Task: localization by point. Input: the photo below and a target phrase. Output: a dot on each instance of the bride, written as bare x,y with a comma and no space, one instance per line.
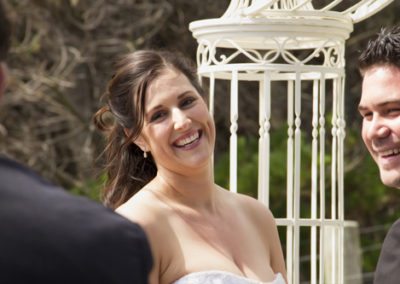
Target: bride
160,175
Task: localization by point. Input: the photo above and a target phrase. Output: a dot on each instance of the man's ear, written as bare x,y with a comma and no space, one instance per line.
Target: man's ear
139,141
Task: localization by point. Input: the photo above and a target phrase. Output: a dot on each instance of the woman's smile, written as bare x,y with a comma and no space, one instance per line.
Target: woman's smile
188,141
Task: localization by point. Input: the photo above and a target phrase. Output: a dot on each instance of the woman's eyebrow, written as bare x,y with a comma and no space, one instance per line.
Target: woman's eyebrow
180,96
184,94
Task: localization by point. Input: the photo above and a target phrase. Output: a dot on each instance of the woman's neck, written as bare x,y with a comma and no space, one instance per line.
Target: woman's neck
196,191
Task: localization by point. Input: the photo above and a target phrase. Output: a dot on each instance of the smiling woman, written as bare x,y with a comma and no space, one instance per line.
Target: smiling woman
128,167
160,174
178,129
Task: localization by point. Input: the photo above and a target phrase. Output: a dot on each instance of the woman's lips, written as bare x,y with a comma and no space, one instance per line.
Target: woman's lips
188,139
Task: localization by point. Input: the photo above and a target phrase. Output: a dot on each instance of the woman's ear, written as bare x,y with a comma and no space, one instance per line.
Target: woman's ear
139,141
142,144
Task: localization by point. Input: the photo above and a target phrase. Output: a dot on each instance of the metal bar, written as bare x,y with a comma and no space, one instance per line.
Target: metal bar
342,133
334,239
289,180
233,129
322,176
297,174
261,154
266,138
314,181
211,93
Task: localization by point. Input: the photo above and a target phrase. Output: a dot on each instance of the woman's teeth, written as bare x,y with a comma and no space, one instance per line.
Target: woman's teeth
188,140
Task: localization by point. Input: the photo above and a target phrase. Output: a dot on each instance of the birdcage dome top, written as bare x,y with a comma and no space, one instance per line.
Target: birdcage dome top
253,23
357,10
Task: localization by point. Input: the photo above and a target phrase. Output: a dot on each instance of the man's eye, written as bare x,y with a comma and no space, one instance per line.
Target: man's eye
394,111
366,115
187,102
157,116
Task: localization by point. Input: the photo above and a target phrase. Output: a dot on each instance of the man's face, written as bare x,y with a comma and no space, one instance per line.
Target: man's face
380,109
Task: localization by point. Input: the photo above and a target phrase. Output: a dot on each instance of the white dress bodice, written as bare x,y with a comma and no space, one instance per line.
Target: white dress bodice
222,277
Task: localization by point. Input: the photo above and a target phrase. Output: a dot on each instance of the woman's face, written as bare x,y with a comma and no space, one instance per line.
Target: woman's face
178,129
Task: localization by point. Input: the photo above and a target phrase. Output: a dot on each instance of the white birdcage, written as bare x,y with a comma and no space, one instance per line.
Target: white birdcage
300,45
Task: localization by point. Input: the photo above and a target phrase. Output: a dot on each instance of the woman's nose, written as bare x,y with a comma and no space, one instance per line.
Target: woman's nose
180,119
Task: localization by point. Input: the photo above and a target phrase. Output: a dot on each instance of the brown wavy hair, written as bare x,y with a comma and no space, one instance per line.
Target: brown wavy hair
127,170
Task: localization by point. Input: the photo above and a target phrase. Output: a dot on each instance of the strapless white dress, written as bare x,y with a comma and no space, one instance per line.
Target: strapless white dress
222,277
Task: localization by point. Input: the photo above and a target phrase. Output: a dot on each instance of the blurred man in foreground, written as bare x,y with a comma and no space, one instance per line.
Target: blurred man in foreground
49,236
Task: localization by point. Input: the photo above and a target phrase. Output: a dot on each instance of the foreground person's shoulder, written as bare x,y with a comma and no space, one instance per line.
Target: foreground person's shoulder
387,270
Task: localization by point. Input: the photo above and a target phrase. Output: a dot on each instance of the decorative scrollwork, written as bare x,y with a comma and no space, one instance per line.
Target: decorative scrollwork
330,53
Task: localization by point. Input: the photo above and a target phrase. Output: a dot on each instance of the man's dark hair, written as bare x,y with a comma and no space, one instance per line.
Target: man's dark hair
384,50
5,32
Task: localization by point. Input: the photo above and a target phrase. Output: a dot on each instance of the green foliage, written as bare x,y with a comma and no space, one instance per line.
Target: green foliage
90,188
248,164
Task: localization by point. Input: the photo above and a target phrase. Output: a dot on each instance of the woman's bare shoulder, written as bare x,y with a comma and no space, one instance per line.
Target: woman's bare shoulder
145,209
253,208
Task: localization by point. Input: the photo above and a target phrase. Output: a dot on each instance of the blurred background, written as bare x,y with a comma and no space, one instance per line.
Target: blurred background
60,62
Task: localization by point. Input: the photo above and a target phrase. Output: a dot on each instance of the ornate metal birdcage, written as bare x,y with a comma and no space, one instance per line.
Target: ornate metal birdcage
295,49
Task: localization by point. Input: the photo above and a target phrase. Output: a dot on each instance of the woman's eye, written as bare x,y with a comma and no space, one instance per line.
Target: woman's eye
157,116
187,101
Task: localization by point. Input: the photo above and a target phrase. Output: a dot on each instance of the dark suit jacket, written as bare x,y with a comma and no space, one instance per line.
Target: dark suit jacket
388,268
50,236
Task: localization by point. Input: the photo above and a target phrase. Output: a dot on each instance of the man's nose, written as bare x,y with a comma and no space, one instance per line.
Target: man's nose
378,128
